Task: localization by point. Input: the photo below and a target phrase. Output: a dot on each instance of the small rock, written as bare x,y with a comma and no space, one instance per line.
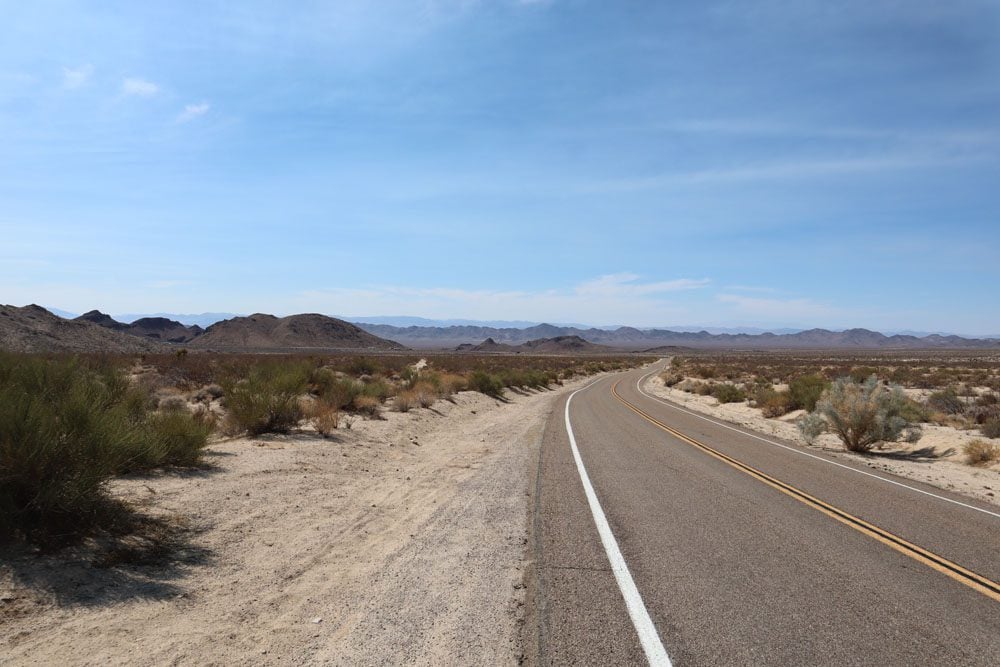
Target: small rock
317,620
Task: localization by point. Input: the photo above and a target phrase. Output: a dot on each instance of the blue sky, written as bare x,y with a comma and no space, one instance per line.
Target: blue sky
649,163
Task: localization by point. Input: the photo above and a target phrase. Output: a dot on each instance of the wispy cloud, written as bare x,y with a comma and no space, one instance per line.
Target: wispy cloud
610,299
192,111
77,77
625,284
135,87
779,309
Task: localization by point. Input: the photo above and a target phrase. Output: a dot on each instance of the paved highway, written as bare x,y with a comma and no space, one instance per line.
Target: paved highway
663,537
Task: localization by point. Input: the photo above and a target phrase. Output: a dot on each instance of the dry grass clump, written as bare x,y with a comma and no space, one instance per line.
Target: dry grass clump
324,417
370,406
404,401
980,453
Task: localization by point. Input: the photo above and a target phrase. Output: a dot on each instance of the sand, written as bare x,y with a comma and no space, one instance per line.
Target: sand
400,541
936,459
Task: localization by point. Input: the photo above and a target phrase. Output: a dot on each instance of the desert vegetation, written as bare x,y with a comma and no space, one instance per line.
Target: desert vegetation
69,425
866,399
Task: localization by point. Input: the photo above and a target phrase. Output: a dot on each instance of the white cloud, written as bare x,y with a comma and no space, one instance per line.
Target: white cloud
192,111
77,77
139,87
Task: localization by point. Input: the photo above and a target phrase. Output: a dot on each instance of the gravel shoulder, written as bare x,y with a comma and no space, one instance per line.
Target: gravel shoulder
935,459
398,541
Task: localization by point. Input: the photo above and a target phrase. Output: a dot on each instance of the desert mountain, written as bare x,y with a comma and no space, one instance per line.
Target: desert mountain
557,345
156,328
101,319
639,339
34,329
308,331
160,328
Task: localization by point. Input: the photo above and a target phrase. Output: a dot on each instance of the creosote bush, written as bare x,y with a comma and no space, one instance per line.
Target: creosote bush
862,414
66,428
727,393
267,399
486,383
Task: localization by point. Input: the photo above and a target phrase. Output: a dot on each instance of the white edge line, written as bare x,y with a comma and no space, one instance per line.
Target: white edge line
656,654
799,451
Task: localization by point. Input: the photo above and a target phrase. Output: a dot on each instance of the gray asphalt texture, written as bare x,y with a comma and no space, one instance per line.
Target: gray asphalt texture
734,572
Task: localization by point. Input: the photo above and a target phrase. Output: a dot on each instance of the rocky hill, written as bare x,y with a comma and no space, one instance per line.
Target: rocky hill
557,345
34,329
309,331
155,328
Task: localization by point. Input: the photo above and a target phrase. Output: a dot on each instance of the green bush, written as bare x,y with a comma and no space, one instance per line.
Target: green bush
772,403
727,393
66,428
267,399
991,428
805,390
486,383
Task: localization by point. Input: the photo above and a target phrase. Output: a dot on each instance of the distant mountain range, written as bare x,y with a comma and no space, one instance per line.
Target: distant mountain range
639,339
33,328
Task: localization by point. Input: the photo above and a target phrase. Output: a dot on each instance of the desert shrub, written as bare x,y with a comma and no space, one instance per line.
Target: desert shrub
425,394
980,452
175,438
671,379
405,401
378,389
860,374
727,393
451,383
66,428
772,403
486,383
364,366
991,428
811,426
339,391
703,388
267,399
805,390
172,403
209,392
865,414
705,372
946,401
324,417
367,405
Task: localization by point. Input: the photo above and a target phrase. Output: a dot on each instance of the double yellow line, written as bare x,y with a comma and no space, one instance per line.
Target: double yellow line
989,588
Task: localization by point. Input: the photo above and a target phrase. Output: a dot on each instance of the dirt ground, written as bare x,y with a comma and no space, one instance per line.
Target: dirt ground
394,542
935,459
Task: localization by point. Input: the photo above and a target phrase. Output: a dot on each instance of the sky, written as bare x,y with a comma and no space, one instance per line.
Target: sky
770,164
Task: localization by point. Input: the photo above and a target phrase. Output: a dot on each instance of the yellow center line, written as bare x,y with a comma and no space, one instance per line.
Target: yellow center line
989,588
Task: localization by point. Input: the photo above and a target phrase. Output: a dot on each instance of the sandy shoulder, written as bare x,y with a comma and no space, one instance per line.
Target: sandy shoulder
397,541
935,459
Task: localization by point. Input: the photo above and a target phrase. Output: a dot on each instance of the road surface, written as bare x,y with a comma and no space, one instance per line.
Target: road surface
731,550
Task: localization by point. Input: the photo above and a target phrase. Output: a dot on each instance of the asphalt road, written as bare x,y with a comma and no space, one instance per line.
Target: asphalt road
746,553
